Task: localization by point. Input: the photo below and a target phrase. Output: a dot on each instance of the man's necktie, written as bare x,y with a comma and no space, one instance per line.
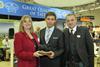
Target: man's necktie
71,31
71,42
48,36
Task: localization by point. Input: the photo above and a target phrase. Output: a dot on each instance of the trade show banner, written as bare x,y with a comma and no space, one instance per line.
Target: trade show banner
12,7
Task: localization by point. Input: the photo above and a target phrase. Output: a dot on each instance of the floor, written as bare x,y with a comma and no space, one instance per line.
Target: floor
97,62
8,63
5,64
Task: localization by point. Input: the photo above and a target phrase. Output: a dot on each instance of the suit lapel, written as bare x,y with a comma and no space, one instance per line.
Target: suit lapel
53,33
67,33
77,31
43,35
78,36
66,39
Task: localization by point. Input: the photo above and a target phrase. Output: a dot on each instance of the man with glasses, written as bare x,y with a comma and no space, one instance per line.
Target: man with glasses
79,50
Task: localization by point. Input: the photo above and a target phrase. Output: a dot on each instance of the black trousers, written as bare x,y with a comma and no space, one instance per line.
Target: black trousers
75,64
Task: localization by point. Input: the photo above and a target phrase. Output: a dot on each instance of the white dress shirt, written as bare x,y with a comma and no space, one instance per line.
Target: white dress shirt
50,33
74,29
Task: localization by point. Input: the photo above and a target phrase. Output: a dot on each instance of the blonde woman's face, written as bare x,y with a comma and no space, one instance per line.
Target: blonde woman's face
26,23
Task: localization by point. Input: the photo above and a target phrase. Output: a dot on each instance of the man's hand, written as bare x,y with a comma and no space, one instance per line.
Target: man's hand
51,54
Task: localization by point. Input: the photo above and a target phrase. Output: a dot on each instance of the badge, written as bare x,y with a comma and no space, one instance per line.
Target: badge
55,37
78,36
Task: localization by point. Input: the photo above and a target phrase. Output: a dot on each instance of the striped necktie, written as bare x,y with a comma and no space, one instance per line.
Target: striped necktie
48,36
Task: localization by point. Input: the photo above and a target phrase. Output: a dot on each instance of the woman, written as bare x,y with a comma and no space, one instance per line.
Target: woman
24,44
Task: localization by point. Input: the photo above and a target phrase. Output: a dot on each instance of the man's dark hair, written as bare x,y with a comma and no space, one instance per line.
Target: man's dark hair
50,14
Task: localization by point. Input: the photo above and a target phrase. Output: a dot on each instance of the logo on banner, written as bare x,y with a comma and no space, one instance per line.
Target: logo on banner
1,4
11,7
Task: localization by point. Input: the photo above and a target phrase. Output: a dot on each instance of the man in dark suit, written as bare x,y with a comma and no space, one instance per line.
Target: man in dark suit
79,50
51,39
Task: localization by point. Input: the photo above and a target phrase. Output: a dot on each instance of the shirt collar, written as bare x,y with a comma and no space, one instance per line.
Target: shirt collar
51,29
74,29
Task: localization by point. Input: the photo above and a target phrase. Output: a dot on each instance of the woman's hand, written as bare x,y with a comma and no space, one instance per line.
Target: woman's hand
37,54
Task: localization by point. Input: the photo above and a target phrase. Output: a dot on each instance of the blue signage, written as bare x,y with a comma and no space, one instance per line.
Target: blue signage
10,7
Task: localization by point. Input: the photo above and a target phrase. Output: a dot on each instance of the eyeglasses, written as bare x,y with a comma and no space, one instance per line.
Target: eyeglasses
70,20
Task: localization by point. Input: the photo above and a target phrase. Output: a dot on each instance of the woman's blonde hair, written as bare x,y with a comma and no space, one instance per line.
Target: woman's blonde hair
21,29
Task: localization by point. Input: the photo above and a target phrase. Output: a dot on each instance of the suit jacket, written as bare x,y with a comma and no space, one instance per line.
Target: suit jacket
84,46
24,49
55,44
